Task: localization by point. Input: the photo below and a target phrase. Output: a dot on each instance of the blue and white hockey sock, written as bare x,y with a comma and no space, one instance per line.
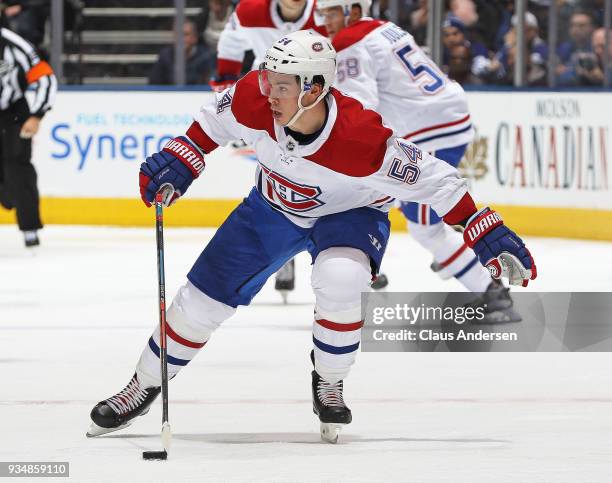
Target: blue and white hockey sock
191,320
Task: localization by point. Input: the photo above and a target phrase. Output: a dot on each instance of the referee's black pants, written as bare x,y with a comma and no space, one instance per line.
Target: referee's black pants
17,175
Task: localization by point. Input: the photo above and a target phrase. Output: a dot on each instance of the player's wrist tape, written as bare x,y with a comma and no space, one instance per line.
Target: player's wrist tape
187,154
479,224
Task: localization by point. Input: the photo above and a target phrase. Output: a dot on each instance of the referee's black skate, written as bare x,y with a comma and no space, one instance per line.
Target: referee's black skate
328,404
30,238
118,411
285,279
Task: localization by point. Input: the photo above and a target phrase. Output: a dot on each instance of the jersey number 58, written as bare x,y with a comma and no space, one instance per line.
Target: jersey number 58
347,68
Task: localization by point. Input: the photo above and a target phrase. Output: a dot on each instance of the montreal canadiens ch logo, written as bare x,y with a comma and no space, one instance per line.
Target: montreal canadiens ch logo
289,195
317,46
495,268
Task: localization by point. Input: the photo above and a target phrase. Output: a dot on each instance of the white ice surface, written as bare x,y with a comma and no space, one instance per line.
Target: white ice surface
75,316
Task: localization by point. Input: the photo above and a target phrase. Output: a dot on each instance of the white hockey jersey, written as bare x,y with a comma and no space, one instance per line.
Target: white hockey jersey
381,65
354,162
256,25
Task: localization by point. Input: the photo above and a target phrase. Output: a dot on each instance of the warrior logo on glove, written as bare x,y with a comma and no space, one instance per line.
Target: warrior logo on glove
170,171
482,224
187,154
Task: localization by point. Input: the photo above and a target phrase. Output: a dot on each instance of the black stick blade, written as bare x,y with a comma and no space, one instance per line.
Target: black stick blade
154,455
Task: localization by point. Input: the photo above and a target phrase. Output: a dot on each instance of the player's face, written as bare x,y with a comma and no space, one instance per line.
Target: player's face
282,91
599,44
333,19
452,36
581,27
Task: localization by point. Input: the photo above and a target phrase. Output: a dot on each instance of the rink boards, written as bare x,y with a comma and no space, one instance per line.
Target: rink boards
540,157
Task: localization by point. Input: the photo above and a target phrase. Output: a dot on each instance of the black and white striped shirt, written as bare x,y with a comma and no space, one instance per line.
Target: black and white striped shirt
21,67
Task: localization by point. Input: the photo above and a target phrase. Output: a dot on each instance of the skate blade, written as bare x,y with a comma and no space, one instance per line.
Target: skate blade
285,296
330,432
95,430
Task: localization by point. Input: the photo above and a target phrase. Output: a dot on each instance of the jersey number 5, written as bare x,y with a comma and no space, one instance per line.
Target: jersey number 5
434,78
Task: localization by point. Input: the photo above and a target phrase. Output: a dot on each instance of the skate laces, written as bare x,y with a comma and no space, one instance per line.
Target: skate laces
129,398
330,394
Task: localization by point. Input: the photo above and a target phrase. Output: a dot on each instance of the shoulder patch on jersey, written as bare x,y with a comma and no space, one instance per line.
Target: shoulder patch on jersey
254,13
250,107
358,141
224,102
354,33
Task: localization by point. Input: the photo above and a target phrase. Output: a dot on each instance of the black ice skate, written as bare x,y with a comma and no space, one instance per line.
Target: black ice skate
380,282
497,303
30,239
118,411
285,279
328,404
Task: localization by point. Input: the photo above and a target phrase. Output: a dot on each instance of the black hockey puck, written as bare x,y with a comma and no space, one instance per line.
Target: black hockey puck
154,455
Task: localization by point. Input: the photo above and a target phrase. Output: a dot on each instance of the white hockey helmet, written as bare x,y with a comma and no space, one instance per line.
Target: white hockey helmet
304,54
346,5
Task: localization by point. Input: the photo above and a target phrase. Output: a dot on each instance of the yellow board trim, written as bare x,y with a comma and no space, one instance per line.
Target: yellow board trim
526,220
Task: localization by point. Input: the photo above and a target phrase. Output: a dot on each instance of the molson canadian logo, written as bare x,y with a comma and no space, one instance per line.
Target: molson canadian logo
557,147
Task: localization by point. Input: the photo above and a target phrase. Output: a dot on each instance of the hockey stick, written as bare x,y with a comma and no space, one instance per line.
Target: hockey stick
166,434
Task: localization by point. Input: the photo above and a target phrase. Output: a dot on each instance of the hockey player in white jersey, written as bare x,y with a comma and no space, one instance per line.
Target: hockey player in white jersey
327,169
382,66
255,25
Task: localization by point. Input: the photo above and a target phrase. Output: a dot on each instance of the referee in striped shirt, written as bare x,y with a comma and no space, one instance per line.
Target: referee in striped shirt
21,69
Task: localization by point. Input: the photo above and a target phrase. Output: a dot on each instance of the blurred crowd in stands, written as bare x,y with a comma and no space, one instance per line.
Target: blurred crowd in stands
479,38
201,35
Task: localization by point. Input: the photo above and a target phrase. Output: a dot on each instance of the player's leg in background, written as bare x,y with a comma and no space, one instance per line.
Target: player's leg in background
347,251
252,244
285,279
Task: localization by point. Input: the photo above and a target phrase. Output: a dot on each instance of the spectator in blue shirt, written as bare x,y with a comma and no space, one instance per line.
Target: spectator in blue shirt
587,68
581,29
577,61
198,60
453,36
501,68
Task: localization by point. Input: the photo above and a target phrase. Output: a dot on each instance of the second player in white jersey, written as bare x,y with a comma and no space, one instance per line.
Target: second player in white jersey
381,65
255,25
